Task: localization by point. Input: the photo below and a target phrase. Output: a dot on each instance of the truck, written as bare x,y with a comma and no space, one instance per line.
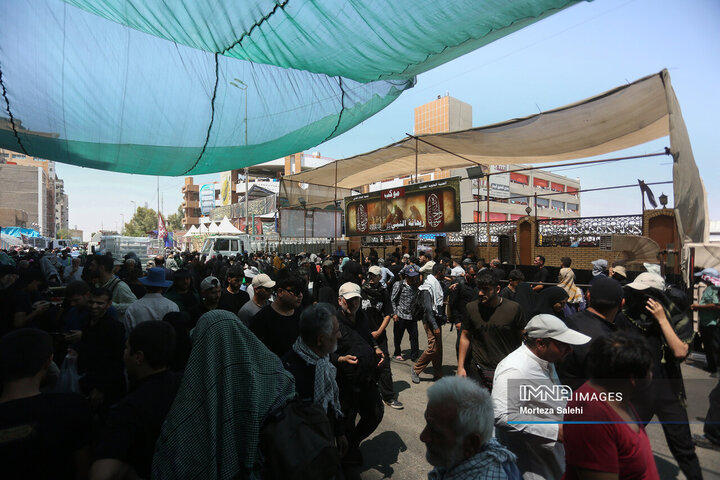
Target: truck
226,245
119,245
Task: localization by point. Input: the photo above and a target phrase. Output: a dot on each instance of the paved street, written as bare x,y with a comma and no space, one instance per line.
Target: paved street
395,450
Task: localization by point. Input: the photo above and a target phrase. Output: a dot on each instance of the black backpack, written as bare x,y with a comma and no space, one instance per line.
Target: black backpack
297,443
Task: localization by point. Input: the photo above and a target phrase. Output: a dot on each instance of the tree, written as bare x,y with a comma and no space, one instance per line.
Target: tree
64,233
143,222
174,221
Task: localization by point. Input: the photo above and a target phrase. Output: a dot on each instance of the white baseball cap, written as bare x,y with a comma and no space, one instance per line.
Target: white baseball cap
375,270
647,280
262,280
549,326
350,290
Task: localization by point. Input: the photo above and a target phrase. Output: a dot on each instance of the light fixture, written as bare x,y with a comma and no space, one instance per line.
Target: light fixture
528,210
663,200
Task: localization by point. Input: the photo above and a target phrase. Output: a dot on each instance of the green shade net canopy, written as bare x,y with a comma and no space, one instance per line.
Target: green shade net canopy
201,86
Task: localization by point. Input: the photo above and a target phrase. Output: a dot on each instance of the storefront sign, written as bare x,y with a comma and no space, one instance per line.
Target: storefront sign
423,207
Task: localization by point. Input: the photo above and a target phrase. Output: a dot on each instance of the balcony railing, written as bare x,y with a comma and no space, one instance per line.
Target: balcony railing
585,231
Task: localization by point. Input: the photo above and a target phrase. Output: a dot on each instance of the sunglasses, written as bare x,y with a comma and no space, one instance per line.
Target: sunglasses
292,292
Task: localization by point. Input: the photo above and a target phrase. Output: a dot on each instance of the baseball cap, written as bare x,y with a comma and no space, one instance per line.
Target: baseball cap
406,255
411,271
620,270
607,289
117,263
375,270
250,272
208,283
262,280
349,290
549,326
428,267
647,280
328,263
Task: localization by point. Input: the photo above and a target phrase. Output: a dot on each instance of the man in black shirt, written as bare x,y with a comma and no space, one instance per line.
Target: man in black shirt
541,275
378,310
491,330
232,298
100,354
128,441
44,435
605,299
276,325
358,357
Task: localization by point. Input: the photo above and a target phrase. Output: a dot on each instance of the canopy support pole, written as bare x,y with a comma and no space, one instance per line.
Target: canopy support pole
335,206
416,160
487,217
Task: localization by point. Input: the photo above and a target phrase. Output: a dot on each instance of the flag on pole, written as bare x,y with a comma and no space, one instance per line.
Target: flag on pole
162,231
646,190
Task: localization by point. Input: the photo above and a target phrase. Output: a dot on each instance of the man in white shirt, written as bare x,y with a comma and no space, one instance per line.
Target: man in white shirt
526,388
152,306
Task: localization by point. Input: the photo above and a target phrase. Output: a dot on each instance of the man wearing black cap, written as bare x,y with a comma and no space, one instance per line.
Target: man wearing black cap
605,299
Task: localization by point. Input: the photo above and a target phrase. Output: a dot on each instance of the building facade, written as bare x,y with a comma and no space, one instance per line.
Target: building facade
547,194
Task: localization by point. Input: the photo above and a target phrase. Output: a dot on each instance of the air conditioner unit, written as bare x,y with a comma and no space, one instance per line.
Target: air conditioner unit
606,242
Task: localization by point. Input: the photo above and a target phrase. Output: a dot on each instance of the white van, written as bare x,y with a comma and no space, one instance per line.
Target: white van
226,245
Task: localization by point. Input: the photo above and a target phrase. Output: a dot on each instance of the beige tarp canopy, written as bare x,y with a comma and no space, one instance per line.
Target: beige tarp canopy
626,116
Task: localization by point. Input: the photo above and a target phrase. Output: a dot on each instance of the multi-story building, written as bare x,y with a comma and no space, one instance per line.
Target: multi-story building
28,184
61,206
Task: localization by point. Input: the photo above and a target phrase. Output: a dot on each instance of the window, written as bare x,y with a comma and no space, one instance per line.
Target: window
519,178
572,207
572,190
539,182
543,203
496,217
514,217
519,200
222,244
557,187
233,245
17,155
558,205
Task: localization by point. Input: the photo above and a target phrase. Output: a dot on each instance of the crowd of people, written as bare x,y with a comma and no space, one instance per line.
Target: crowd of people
198,368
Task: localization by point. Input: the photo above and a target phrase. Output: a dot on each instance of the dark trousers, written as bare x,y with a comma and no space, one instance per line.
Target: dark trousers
399,328
663,402
710,337
433,353
365,401
385,382
712,419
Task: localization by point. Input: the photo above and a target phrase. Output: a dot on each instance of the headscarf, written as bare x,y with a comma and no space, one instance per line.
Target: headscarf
231,383
278,263
325,391
600,266
344,261
548,297
567,282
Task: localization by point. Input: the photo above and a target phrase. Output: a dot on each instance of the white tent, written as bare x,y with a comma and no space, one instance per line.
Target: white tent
192,231
214,228
227,227
203,230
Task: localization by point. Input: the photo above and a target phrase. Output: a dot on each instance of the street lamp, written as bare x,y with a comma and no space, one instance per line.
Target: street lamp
663,200
237,83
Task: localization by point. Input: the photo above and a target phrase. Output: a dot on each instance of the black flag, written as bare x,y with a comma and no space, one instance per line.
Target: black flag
646,190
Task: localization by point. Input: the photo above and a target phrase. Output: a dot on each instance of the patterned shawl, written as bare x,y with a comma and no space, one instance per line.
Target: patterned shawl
325,391
567,282
231,382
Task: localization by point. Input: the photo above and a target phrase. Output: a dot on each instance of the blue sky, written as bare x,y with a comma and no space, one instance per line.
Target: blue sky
577,53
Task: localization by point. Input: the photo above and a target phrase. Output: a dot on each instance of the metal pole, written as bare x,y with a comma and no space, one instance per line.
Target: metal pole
158,200
487,217
416,160
247,224
335,206
477,213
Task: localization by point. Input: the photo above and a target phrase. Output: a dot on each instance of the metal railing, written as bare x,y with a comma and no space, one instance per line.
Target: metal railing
585,231
479,230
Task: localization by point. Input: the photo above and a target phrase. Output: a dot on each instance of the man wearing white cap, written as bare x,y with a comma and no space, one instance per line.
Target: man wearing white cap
358,357
262,286
538,446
